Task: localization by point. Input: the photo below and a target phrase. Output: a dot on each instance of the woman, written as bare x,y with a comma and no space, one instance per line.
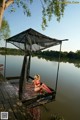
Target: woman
40,87
37,83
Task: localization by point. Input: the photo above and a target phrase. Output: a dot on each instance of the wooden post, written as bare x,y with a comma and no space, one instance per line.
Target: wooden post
22,80
5,60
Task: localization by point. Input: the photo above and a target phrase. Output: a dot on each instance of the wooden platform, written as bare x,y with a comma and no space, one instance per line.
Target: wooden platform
28,93
27,108
32,99
10,103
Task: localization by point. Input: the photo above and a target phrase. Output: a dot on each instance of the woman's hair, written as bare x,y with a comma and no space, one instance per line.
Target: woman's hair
37,76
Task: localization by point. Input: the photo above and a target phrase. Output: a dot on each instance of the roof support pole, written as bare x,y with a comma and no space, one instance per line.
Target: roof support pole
5,60
58,67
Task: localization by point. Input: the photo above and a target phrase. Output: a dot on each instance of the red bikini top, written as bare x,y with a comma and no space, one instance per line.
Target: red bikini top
36,82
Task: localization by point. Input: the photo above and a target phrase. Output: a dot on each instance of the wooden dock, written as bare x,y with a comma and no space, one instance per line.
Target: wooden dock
25,109
10,103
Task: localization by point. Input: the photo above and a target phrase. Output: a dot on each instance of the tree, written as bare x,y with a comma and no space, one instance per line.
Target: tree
4,26
49,7
5,30
4,33
3,5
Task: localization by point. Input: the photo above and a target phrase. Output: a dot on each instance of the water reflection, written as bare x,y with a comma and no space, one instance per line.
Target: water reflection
35,113
75,61
77,64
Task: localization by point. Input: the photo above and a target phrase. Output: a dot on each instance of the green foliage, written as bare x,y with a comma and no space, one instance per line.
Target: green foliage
11,51
49,7
71,57
78,52
55,54
5,30
24,4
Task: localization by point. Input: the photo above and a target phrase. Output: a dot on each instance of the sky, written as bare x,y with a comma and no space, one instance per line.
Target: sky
67,28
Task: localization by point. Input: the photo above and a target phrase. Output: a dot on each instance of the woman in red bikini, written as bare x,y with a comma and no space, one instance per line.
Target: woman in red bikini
36,81
40,87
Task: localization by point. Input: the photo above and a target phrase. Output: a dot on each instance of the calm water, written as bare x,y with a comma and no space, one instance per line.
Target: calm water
67,102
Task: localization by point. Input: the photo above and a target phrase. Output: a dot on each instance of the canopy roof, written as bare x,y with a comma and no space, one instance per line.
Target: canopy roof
31,40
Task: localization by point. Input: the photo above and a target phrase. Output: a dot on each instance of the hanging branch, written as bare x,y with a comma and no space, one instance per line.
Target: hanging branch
8,3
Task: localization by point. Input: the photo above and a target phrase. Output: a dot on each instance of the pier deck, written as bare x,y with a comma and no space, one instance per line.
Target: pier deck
10,103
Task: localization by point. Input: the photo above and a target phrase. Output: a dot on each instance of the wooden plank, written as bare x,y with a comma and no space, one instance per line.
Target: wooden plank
4,106
21,109
13,77
8,109
1,106
15,109
10,103
4,93
10,90
14,81
1,77
17,77
1,95
13,105
8,93
16,106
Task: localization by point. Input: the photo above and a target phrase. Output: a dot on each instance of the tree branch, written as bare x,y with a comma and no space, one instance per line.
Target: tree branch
8,3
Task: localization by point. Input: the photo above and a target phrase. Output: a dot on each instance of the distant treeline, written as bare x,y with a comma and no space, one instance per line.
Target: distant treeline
11,51
63,55
71,57
44,54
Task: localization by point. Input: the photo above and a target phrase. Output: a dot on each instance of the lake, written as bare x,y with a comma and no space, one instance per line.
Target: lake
67,103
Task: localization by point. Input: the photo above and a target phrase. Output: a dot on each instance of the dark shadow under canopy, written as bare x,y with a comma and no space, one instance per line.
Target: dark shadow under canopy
32,41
